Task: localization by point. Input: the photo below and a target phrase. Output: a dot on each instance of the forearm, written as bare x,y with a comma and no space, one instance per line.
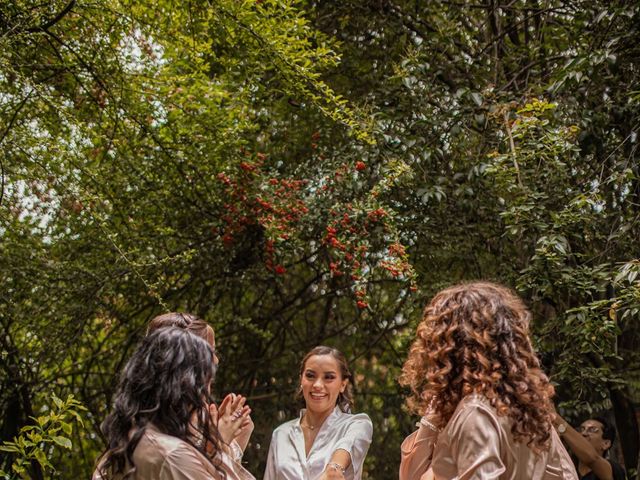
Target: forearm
341,457
349,452
584,451
243,439
245,434
416,451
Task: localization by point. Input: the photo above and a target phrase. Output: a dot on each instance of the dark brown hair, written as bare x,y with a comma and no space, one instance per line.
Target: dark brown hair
166,383
474,338
345,399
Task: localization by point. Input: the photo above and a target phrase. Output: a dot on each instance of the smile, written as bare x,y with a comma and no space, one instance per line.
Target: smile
318,396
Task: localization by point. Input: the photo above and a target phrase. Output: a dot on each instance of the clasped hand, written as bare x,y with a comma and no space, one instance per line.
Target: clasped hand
232,419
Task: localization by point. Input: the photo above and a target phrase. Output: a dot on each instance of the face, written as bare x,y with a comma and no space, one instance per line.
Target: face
211,339
592,431
321,383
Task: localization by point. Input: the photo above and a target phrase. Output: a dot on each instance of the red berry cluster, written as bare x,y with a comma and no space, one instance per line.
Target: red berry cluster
354,230
350,235
255,199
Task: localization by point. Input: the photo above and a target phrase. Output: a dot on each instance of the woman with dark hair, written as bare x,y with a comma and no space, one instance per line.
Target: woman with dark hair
233,433
327,441
486,404
163,423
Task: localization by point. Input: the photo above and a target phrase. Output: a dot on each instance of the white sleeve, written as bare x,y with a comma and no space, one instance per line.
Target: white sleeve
270,472
356,441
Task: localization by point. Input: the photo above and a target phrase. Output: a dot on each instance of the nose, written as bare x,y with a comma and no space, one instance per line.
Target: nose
317,384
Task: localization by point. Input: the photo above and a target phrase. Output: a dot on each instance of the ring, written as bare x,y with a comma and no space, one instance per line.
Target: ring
237,414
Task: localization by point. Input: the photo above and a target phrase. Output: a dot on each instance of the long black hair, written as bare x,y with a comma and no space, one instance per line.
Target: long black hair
167,383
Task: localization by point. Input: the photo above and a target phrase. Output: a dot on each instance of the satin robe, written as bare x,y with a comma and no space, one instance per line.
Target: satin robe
477,444
164,457
346,431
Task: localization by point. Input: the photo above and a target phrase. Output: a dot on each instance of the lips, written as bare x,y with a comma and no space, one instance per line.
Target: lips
318,396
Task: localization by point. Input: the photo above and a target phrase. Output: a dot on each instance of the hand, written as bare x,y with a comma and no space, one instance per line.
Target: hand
245,433
331,474
431,416
231,417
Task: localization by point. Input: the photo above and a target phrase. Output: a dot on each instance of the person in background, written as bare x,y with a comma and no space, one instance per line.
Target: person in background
327,441
163,424
590,446
232,405
486,404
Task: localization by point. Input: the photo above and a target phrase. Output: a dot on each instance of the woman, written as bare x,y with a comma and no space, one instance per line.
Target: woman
327,441
486,403
163,423
233,433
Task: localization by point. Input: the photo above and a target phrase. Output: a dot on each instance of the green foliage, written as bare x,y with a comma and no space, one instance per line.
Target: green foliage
35,442
304,172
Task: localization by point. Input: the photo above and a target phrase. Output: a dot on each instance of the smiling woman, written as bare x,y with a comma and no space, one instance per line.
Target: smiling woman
327,441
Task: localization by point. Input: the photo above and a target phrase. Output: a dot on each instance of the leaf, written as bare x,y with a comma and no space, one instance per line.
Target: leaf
41,457
10,448
66,427
62,441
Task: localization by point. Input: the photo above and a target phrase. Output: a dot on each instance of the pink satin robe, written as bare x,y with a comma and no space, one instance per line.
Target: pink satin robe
477,444
163,457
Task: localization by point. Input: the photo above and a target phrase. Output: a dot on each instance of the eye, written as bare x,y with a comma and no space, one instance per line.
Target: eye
330,376
309,375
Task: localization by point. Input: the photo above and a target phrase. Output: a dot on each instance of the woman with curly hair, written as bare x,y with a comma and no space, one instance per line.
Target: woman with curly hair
163,425
327,441
486,404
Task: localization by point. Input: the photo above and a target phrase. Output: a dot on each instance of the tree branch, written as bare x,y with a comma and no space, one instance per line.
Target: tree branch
50,23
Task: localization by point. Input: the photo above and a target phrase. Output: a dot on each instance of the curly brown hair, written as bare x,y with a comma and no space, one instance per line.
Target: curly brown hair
474,338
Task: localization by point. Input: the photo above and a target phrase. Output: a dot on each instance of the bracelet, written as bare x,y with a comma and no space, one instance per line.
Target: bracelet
336,466
428,424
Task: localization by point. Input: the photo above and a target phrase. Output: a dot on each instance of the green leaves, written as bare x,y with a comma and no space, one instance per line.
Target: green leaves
34,441
374,155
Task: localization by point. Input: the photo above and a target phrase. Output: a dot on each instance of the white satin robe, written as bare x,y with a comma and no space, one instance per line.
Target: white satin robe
346,431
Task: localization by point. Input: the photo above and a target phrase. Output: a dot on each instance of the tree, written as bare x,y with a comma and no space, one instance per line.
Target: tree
301,173
135,181
519,122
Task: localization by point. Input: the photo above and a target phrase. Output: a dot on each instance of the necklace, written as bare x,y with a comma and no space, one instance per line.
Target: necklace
307,425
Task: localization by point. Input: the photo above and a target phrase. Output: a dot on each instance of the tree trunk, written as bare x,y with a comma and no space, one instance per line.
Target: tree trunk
627,425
